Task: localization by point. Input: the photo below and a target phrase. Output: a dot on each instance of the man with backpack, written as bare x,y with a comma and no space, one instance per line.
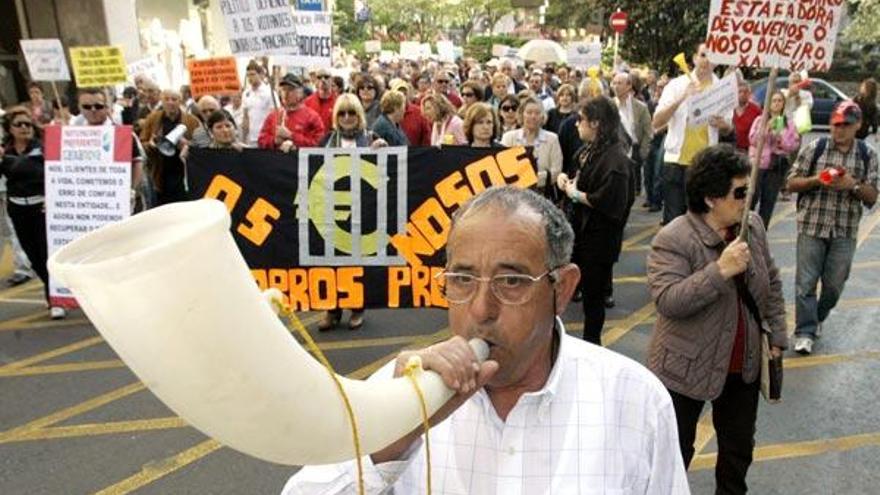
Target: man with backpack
834,178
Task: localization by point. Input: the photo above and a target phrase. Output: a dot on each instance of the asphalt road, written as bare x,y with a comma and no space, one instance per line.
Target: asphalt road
74,419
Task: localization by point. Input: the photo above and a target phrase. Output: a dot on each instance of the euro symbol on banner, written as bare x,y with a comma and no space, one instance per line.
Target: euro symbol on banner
342,204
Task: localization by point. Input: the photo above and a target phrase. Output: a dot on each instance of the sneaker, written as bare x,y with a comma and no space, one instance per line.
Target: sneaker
17,279
57,313
803,345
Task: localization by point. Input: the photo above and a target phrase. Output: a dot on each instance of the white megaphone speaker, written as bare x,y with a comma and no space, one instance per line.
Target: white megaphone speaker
168,144
170,292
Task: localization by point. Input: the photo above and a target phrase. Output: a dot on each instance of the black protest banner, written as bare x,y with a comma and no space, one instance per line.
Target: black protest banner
351,228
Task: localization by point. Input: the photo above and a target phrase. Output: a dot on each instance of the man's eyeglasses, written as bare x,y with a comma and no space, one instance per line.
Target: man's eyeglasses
510,289
508,108
21,124
96,106
442,81
346,113
740,192
323,76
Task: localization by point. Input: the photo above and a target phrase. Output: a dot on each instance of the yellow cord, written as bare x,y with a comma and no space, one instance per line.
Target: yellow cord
298,326
412,370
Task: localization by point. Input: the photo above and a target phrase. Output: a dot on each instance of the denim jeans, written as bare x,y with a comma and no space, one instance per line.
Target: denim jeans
828,260
653,164
674,198
770,181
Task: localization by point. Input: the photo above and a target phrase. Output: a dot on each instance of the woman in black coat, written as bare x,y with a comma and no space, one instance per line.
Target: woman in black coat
601,195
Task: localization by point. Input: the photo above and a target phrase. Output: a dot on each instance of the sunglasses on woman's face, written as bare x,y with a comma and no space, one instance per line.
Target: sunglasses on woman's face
507,108
347,113
368,87
740,192
26,125
468,95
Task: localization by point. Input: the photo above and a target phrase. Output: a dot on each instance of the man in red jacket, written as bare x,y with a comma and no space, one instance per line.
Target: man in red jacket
323,99
302,126
414,125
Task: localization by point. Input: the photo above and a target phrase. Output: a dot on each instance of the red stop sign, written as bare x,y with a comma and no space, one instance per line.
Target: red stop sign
618,22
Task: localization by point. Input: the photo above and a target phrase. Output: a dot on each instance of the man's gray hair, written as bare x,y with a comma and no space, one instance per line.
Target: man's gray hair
557,231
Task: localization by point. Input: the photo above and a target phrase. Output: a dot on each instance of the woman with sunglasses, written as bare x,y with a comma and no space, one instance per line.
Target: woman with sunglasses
713,293
508,110
471,92
23,166
545,144
349,131
368,94
447,128
781,139
600,195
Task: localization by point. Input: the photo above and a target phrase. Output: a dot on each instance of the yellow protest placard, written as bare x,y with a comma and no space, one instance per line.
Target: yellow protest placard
95,66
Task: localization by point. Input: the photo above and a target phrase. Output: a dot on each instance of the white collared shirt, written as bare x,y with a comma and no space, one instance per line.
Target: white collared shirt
601,424
258,104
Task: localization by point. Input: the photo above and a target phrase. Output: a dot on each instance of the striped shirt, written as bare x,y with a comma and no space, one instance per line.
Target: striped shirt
601,424
824,212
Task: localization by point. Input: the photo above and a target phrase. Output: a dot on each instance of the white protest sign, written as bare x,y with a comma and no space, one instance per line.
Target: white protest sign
45,60
446,51
258,28
373,46
584,54
410,50
88,179
151,68
720,99
426,50
499,50
386,56
314,45
789,34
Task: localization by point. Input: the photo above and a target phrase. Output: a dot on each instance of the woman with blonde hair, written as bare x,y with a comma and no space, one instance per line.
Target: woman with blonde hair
349,131
566,101
481,126
447,127
387,126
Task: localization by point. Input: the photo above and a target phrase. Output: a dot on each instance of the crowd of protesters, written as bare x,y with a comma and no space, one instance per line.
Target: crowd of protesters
598,142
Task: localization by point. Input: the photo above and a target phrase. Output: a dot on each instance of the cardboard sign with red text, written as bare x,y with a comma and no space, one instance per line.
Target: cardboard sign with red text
788,34
88,179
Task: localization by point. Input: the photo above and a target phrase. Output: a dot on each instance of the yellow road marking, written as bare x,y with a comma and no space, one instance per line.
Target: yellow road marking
41,302
19,322
796,449
782,215
62,368
865,230
75,410
21,289
611,336
45,356
155,470
639,236
705,433
93,429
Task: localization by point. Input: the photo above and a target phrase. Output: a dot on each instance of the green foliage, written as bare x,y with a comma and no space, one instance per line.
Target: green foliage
480,47
659,29
865,15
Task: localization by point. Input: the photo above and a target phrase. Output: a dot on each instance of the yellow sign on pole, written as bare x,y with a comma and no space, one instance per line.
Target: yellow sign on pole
95,66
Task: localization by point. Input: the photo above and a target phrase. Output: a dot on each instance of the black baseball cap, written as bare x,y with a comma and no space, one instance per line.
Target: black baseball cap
291,79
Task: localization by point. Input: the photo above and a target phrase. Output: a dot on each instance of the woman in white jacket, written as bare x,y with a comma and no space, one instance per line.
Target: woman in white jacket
547,151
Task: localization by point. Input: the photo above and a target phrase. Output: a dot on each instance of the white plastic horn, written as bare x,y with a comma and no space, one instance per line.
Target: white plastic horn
170,292
168,144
